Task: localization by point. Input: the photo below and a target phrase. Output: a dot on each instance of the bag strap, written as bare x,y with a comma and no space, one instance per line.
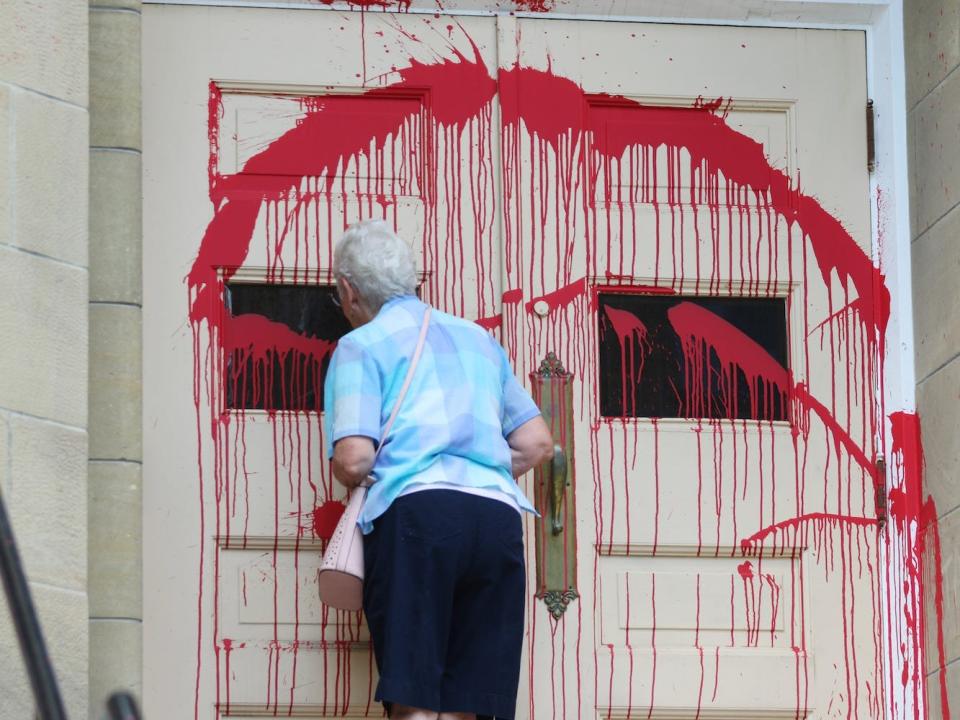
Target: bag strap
421,341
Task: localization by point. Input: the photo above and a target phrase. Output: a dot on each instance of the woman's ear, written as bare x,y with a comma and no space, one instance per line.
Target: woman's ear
352,304
349,294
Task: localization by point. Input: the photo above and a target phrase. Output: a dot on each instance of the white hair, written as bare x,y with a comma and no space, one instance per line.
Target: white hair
377,263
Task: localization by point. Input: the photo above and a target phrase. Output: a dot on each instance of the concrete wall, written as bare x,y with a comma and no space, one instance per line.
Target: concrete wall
932,36
115,342
44,140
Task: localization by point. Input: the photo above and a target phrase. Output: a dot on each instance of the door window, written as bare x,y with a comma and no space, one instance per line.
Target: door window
277,341
693,357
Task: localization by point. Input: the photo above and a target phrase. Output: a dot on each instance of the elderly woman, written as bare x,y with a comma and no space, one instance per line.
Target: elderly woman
443,545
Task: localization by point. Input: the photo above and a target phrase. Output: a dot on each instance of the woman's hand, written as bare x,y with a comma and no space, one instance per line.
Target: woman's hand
530,444
353,458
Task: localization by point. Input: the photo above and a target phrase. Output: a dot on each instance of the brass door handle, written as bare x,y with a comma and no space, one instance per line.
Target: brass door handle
558,488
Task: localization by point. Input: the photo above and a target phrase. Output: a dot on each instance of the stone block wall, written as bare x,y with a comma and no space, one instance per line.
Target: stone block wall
932,39
44,137
114,491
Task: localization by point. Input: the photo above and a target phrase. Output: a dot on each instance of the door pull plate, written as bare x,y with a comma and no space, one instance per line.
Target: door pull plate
555,491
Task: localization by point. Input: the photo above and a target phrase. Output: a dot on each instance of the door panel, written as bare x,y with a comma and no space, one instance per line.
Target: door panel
725,567
234,533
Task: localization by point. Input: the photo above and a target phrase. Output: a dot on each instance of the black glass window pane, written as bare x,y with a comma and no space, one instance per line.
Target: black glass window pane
278,341
670,356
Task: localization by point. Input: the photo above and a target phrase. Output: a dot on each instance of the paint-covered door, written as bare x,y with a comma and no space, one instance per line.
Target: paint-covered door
679,214
686,213
266,133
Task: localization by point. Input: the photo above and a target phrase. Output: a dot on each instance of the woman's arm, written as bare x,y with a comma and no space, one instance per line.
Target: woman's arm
353,458
530,444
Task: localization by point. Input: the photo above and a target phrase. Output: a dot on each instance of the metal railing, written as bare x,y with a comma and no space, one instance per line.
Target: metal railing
43,681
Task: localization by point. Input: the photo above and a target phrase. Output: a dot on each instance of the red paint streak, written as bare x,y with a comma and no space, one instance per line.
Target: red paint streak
626,325
260,337
620,123
653,643
490,323
562,297
228,647
459,88
632,334
632,289
917,517
841,438
701,331
745,569
759,536
511,297
214,115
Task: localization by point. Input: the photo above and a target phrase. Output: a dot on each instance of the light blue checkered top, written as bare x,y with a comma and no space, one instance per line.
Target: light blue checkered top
462,403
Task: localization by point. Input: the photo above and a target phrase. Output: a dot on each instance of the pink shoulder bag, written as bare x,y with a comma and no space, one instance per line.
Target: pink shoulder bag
341,571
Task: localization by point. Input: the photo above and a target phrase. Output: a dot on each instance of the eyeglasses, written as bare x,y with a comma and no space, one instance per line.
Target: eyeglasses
335,298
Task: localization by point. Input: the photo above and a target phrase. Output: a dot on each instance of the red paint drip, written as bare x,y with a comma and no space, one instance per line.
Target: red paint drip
620,123
632,334
818,517
700,332
917,517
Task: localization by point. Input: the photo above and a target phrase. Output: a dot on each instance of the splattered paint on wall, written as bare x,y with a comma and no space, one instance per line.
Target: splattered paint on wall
584,189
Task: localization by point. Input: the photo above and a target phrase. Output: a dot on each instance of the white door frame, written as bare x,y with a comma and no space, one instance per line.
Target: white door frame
882,23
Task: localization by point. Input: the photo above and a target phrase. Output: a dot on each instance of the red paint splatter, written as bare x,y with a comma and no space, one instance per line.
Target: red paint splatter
702,332
916,517
402,5
538,6
560,298
793,523
592,141
326,517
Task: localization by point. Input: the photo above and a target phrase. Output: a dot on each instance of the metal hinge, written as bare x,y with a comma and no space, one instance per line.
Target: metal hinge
871,139
880,492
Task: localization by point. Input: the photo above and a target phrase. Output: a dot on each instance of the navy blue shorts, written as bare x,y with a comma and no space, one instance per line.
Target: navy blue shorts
444,598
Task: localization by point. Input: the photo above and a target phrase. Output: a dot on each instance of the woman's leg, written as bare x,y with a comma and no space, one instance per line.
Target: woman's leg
402,712
482,669
409,597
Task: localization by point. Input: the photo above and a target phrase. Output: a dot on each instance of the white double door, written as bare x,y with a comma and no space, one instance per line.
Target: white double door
724,567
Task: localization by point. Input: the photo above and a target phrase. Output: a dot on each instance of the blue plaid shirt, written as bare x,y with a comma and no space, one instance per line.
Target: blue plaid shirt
462,403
